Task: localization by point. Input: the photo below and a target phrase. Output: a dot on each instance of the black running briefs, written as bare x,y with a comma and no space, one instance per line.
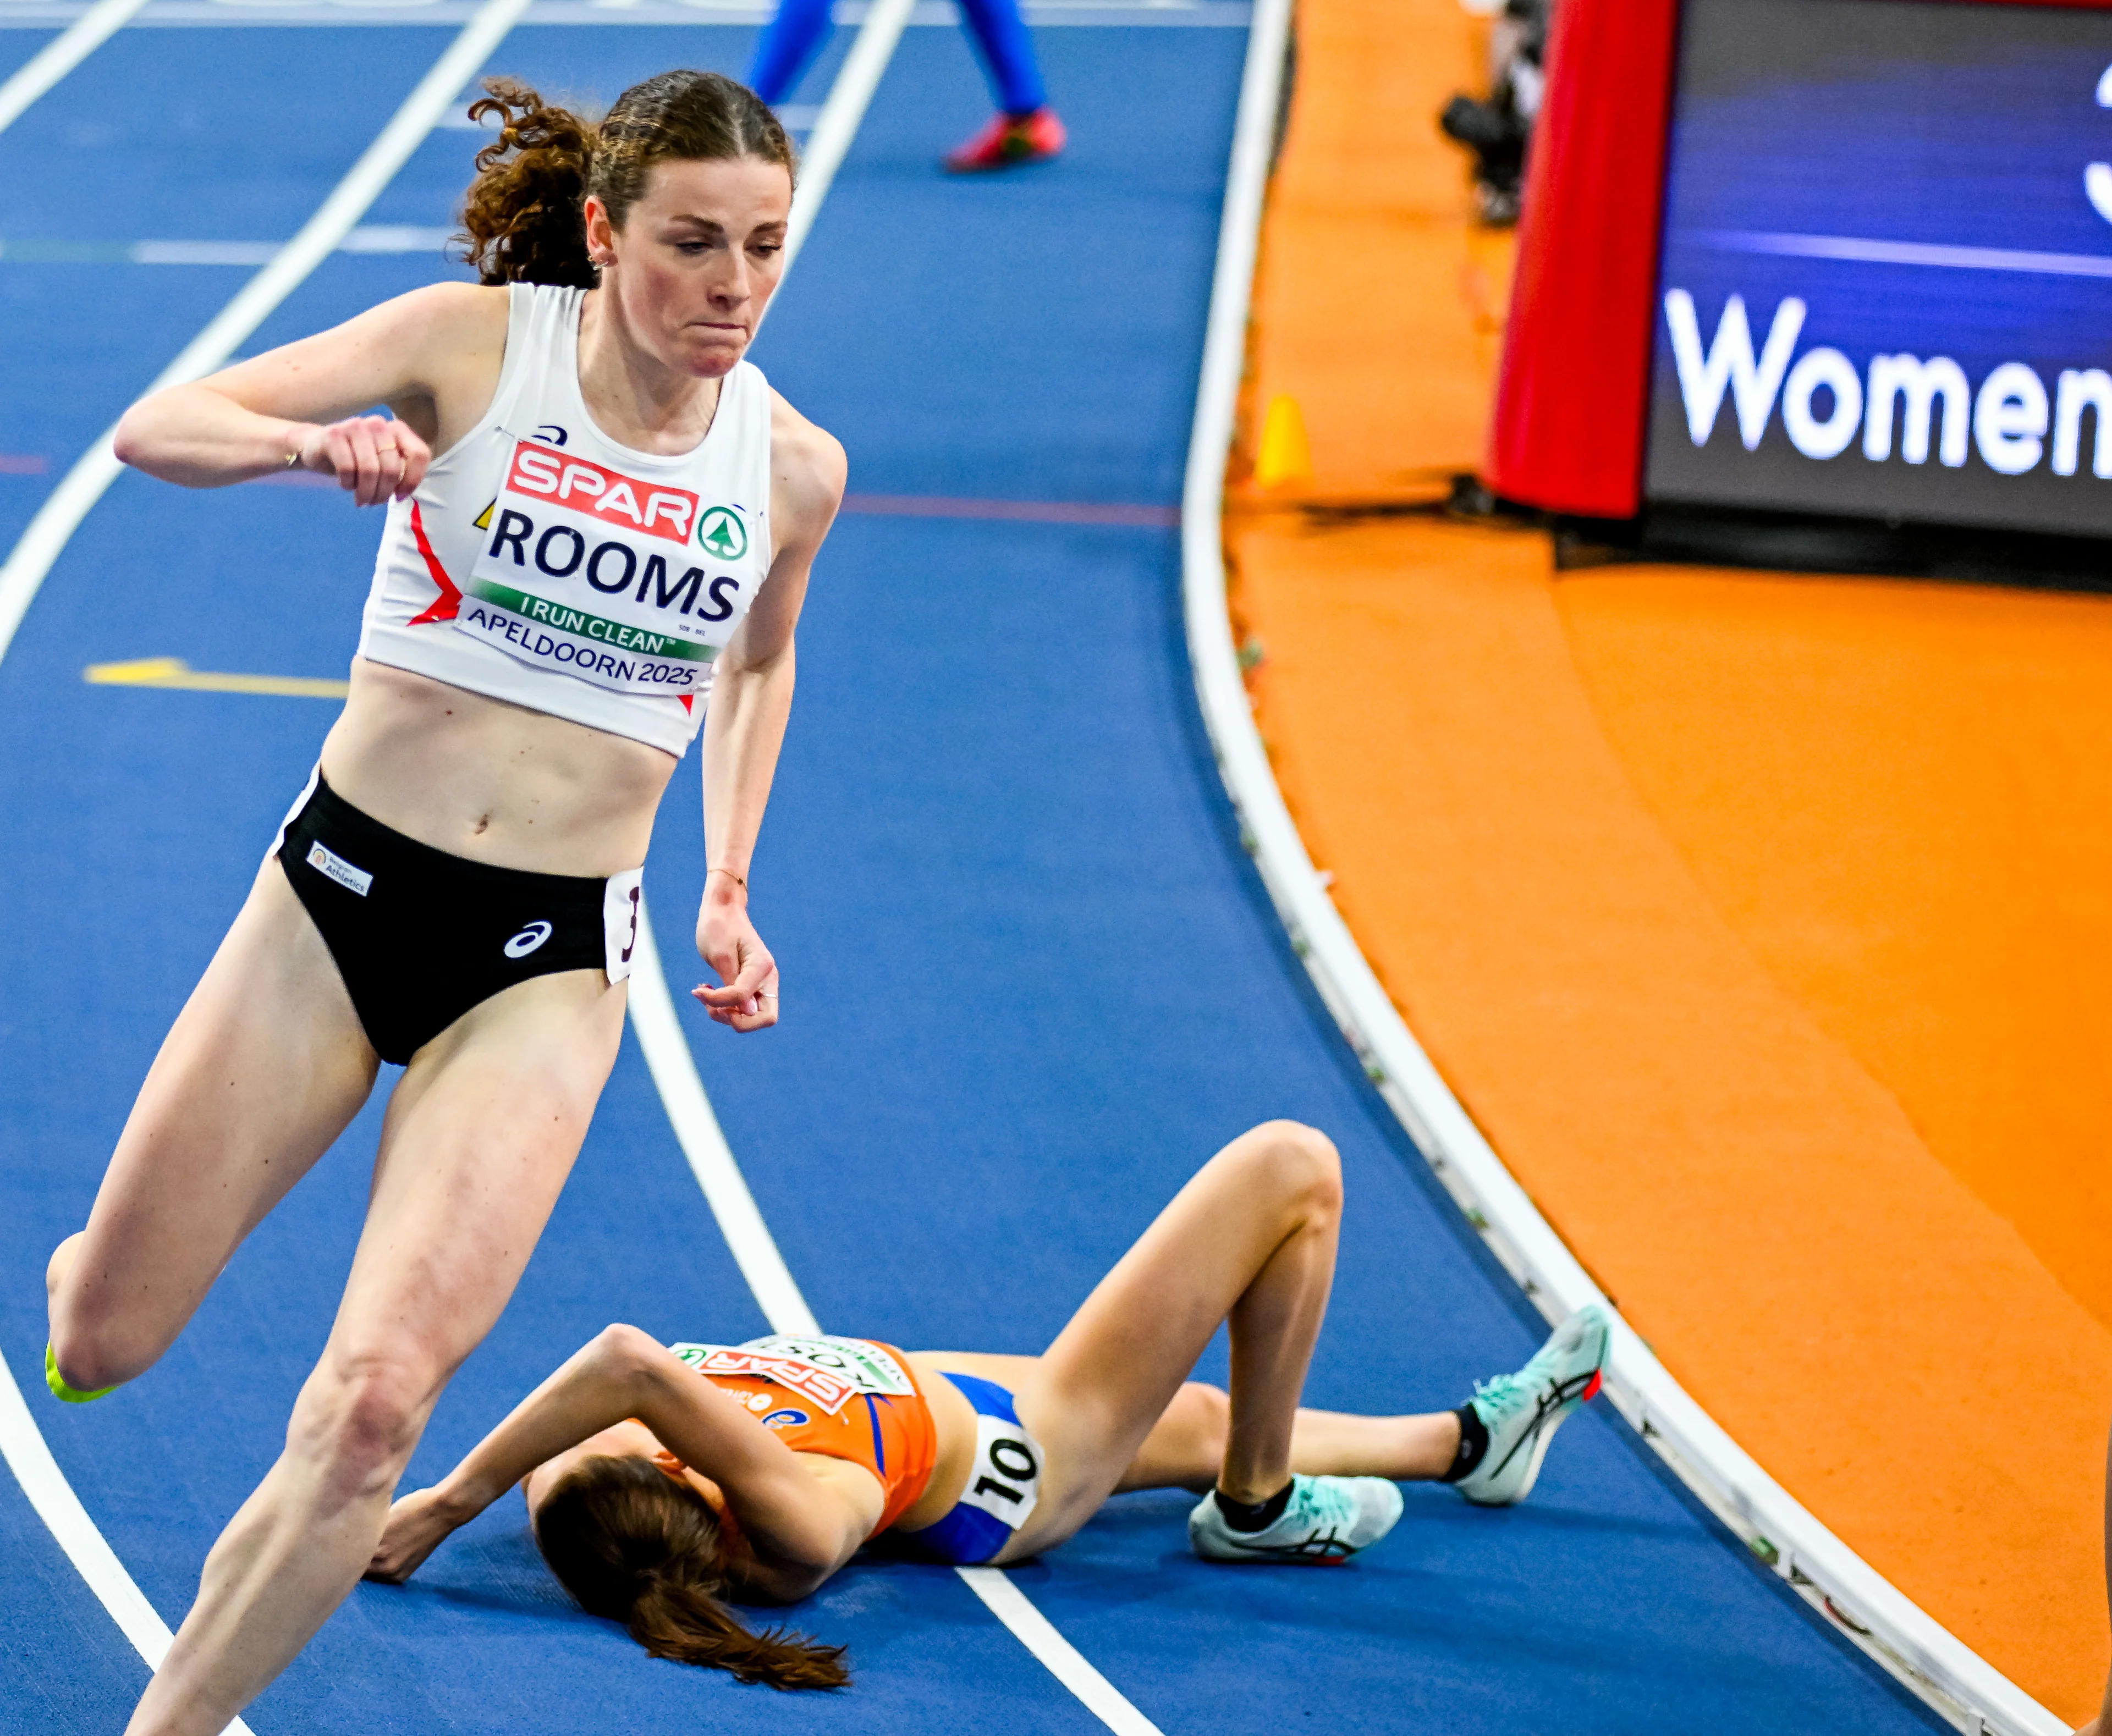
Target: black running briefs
420,936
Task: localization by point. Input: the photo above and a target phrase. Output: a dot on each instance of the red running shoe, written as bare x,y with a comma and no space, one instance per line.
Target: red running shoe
1008,140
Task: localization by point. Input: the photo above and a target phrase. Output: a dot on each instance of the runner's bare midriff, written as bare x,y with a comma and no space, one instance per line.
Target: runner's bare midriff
493,781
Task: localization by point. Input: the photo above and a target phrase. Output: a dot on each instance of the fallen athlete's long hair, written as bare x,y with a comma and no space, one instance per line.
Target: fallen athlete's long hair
636,1547
521,219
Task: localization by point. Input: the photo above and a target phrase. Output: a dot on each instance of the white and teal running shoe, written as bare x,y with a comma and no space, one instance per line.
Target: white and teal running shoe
1521,1411
1328,1521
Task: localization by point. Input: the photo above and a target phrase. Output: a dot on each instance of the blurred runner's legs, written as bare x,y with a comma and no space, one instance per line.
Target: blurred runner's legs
1025,130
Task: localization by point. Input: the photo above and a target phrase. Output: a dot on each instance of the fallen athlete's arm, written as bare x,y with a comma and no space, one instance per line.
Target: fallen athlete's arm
745,728
800,1529
433,357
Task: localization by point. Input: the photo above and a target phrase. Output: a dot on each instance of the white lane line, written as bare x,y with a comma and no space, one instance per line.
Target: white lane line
667,1050
335,220
31,1459
60,56
837,123
674,1070
367,237
357,14
21,1442
697,1130
1063,1661
1900,1636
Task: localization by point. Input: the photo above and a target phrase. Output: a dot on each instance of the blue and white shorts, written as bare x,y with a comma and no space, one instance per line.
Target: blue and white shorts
1004,1483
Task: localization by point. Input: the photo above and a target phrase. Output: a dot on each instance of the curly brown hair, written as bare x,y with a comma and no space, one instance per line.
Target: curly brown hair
636,1547
521,219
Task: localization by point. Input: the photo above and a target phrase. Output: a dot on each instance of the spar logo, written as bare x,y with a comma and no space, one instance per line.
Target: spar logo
721,533
582,486
559,515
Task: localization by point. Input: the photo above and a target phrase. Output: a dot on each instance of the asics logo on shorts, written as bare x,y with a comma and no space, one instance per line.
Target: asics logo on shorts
528,939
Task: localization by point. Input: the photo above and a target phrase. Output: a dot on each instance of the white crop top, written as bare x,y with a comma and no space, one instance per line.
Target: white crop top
541,563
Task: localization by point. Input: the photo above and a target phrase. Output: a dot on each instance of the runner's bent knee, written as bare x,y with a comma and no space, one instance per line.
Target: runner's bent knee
1300,1164
89,1359
359,1417
97,1341
1203,1414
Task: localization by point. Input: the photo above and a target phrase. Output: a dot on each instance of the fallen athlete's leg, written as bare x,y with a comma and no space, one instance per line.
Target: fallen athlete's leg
1249,1240
1187,1446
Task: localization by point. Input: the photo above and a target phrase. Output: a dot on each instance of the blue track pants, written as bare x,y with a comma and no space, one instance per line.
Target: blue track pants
793,38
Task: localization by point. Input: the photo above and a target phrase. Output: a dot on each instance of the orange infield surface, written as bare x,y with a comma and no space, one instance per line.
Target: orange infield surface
1763,922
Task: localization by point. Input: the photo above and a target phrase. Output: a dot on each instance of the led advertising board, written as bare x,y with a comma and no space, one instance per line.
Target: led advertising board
1886,282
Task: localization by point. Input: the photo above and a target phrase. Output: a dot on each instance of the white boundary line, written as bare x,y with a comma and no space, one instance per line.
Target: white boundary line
667,1054
21,1442
60,56
97,467
1910,1643
22,1445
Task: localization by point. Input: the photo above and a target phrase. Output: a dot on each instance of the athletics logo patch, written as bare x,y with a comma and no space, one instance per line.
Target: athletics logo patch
720,532
332,866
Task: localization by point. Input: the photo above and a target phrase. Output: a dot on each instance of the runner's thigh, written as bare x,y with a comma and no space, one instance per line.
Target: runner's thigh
260,1073
482,1132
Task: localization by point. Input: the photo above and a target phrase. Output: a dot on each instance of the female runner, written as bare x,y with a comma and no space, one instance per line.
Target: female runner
594,504
655,1492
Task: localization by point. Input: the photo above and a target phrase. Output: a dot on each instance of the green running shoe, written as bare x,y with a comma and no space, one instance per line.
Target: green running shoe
1328,1520
1521,1411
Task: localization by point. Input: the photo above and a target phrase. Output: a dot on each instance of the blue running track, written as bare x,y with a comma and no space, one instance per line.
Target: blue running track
1031,980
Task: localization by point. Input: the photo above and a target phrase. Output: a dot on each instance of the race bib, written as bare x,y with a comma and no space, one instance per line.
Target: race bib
1005,1478
619,922
632,584
829,1371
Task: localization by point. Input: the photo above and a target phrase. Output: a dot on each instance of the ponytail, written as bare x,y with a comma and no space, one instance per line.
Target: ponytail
634,1546
523,219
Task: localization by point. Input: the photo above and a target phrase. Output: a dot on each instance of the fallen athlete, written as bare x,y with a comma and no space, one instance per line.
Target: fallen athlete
661,1479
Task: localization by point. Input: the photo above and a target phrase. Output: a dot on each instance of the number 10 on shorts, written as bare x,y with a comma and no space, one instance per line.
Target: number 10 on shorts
1005,1480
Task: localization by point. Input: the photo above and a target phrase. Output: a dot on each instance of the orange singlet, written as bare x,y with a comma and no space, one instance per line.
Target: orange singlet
830,1396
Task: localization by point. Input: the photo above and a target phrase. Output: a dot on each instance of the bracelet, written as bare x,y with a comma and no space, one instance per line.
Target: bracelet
293,457
739,880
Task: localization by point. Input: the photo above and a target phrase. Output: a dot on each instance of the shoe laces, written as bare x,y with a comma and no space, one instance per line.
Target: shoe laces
1315,1500
1509,1392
